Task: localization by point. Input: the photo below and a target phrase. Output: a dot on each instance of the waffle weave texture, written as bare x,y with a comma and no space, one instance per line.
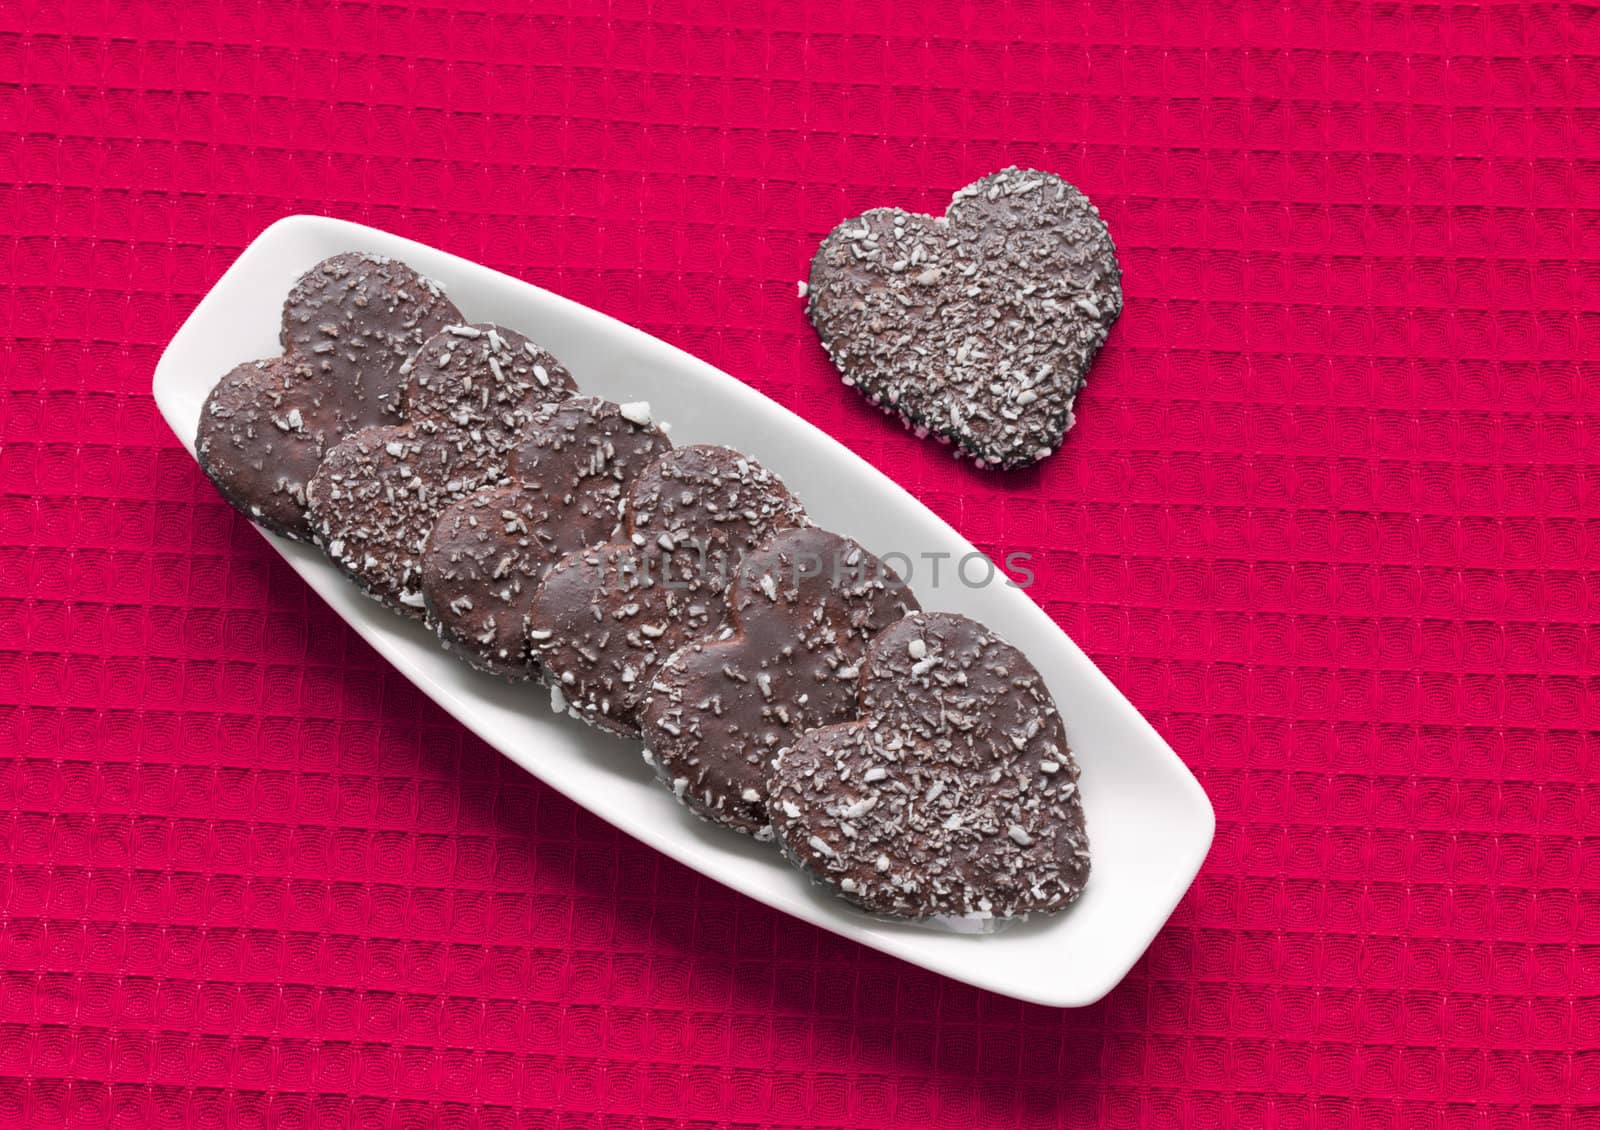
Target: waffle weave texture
1328,518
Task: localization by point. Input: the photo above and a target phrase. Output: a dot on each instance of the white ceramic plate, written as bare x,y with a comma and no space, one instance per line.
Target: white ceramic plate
1150,823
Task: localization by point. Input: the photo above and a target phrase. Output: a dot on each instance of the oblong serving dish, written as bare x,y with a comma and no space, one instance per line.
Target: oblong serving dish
1150,824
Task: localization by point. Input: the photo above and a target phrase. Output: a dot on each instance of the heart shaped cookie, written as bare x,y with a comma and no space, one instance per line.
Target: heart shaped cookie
349,325
379,492
478,375
954,795
262,434
606,617
358,318
979,325
803,607
488,552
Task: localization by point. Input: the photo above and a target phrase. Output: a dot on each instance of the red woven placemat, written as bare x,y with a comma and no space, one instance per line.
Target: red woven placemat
1328,519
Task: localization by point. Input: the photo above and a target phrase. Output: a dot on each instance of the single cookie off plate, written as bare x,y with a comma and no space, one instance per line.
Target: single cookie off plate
1149,822
977,326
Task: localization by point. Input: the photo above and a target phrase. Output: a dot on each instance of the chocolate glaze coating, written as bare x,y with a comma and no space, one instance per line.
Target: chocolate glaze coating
261,436
488,552
379,493
605,618
804,606
955,794
348,326
479,375
978,325
357,318
468,393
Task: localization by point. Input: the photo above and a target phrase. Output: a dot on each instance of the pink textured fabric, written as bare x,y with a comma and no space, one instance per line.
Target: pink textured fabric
1328,518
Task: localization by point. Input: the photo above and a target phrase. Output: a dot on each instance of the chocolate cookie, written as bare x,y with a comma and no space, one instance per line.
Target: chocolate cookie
379,493
954,795
348,326
713,502
978,325
261,437
488,552
477,376
358,318
803,608
606,617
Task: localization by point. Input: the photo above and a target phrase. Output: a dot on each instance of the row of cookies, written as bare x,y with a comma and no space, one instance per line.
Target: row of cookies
679,595
367,342
917,762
